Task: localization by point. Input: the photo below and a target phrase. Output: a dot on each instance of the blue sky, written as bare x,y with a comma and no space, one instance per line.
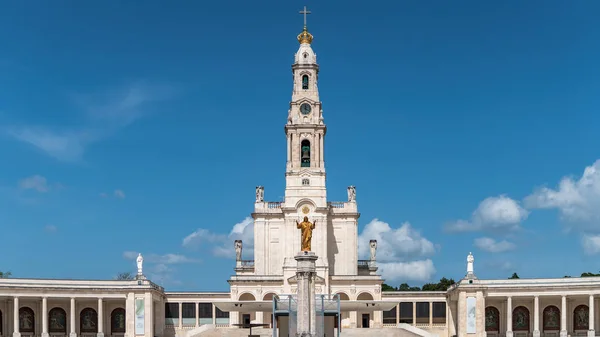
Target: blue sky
466,126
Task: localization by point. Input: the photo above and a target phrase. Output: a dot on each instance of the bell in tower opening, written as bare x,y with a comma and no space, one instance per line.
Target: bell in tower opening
305,153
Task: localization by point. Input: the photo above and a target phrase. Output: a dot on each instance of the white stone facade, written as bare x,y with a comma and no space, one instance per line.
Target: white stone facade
471,308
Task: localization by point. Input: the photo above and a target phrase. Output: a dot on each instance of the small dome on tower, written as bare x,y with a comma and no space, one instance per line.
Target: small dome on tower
305,36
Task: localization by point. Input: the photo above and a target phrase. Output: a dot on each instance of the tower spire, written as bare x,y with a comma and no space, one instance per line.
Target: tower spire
305,36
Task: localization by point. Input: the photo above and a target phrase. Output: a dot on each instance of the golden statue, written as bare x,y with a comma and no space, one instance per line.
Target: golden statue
307,228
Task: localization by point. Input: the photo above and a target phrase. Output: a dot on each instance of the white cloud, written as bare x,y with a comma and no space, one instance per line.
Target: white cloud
398,251
422,270
35,182
160,259
221,244
577,200
119,194
493,246
50,228
496,213
104,114
590,244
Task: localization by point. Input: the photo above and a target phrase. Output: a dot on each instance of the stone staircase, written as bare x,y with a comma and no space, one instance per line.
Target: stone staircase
235,332
403,330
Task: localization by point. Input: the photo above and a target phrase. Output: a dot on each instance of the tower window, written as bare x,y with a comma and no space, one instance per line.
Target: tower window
305,82
305,153
305,182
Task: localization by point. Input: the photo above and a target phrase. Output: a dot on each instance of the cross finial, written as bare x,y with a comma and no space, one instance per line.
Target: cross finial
304,12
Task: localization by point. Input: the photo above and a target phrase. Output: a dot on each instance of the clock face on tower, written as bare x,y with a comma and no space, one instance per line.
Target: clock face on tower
305,108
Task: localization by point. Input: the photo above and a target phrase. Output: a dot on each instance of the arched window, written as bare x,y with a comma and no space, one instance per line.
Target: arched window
88,320
551,318
492,319
305,153
26,320
520,319
305,82
117,321
581,317
57,320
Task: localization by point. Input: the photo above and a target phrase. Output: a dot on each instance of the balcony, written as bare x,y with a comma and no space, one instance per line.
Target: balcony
268,207
244,266
342,207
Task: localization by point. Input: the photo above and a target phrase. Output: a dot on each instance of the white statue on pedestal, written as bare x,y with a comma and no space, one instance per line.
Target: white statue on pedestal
260,194
140,262
373,246
238,250
470,260
351,193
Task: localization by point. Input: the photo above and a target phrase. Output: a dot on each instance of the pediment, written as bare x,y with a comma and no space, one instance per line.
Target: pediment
318,280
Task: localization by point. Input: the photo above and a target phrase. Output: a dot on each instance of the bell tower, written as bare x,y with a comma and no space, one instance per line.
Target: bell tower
305,130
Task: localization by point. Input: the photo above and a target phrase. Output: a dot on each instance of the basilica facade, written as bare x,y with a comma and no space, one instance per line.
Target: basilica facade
472,307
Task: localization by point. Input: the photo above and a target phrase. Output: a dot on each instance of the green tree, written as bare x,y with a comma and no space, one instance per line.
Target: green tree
514,276
386,287
125,276
442,285
588,274
5,274
406,287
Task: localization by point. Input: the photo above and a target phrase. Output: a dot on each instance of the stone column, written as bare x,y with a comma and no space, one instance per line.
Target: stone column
430,315
563,317
72,330
100,318
414,313
130,315
148,315
509,332
214,314
305,275
397,314
180,315
461,313
197,315
16,332
44,317
591,331
536,316
480,314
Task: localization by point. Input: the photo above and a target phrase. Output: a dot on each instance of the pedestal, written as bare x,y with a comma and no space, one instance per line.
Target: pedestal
305,275
509,334
536,333
100,334
563,333
73,334
45,334
591,333
16,334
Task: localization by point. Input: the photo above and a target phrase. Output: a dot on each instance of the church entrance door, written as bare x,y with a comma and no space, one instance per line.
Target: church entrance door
365,320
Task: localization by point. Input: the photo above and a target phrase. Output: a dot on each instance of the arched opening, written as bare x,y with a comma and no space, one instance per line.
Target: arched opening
268,317
344,315
520,319
0,321
57,320
492,319
551,318
305,153
304,82
88,320
365,319
26,320
245,316
581,317
117,321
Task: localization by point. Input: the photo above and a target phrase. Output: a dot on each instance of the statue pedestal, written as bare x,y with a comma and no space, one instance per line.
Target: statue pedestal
305,275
